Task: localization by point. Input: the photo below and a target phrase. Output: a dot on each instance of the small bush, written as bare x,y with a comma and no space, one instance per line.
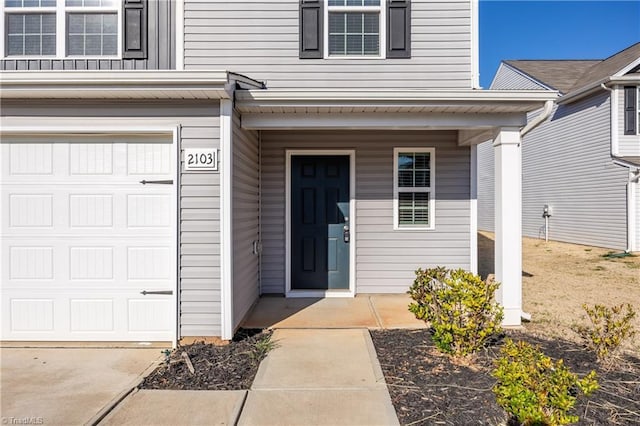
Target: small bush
535,389
609,328
459,307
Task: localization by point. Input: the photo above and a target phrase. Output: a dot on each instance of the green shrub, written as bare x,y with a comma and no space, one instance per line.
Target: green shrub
609,328
535,389
459,307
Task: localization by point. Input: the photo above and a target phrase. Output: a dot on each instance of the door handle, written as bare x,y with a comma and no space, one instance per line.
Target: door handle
167,292
346,234
157,182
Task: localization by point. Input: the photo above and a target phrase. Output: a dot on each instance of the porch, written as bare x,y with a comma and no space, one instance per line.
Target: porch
264,133
372,311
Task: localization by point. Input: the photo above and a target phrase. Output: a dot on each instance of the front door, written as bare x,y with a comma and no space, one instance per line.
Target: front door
320,222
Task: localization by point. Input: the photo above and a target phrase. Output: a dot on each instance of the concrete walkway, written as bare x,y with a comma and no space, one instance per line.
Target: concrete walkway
313,377
319,377
324,370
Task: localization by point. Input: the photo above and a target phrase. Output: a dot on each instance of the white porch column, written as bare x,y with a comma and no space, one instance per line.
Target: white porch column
226,225
508,226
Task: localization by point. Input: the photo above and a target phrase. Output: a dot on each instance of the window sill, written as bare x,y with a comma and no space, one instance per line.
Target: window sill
413,228
352,57
59,58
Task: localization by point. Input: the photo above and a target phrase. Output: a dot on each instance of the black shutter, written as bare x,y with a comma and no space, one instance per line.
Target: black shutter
310,30
630,110
398,29
134,26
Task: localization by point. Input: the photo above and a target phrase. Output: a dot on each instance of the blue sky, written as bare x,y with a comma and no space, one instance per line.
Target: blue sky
554,30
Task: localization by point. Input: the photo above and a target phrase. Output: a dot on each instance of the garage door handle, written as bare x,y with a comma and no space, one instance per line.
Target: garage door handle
157,182
167,292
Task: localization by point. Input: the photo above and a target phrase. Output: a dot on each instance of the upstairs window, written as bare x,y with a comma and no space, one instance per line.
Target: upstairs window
413,183
61,28
632,110
348,29
354,27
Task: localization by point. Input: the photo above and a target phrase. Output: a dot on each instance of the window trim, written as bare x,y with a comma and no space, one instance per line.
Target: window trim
431,190
61,10
382,23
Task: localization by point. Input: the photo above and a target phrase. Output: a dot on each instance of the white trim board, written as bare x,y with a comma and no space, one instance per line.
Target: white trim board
226,219
352,207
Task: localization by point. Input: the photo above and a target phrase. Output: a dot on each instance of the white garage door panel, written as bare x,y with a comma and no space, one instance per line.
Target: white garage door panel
82,238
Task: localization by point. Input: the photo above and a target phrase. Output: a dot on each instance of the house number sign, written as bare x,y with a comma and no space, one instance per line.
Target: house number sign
200,159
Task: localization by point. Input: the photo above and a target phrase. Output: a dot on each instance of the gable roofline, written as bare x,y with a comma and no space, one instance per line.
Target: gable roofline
524,74
607,72
557,74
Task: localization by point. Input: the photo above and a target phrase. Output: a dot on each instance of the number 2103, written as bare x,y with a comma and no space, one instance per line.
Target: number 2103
200,159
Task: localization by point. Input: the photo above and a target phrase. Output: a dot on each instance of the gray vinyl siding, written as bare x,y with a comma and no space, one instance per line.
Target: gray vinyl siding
567,164
200,301
486,187
507,78
628,145
246,220
161,52
259,38
385,259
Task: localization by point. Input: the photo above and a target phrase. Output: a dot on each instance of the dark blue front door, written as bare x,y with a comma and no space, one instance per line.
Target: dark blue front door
319,222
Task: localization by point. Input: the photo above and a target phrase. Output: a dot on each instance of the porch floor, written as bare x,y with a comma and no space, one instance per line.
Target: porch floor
372,311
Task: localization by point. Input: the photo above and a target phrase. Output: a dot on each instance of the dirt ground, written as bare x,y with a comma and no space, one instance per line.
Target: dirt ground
557,278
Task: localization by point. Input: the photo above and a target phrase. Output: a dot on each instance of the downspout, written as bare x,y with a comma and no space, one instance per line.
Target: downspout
546,112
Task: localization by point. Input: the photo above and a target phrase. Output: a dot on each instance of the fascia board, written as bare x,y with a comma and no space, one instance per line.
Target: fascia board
133,83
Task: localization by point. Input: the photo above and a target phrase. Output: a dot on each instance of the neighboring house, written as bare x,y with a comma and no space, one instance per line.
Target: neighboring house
584,161
166,163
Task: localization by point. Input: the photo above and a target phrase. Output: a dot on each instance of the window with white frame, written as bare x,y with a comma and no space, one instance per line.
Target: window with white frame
61,28
355,28
413,182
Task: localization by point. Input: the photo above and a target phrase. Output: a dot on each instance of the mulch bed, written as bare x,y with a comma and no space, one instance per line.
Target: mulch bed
229,367
428,388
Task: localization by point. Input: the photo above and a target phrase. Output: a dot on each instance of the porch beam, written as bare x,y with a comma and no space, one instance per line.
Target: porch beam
508,223
379,120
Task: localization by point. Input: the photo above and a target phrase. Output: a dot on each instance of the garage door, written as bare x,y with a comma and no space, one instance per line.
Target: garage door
88,252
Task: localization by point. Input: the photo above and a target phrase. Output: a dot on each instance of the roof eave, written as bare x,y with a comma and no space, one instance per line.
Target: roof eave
596,86
118,84
517,100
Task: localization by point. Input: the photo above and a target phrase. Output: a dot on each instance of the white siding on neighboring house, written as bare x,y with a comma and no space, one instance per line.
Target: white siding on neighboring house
628,145
508,79
385,259
486,187
260,39
246,220
567,165
637,214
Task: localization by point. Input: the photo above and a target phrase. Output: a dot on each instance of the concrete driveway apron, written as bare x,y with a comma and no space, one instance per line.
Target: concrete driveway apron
67,385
